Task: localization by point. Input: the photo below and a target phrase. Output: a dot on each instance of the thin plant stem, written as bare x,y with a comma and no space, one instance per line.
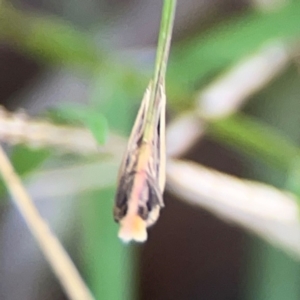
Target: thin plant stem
54,252
162,54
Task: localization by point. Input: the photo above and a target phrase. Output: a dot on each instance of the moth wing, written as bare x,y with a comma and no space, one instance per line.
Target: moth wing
136,131
122,194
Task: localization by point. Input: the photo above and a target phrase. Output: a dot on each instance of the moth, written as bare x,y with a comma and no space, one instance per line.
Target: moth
141,178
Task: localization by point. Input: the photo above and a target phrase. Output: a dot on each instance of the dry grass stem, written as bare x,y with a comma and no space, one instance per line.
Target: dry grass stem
59,260
259,208
18,128
60,183
183,132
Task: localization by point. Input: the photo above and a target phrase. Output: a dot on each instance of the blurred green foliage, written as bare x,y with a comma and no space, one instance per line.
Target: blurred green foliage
34,158
83,115
47,39
202,57
256,139
109,265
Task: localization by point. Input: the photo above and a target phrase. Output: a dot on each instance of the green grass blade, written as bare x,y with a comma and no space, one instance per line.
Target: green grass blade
255,139
48,38
162,54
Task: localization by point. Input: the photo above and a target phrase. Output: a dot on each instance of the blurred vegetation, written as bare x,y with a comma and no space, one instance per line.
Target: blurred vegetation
266,132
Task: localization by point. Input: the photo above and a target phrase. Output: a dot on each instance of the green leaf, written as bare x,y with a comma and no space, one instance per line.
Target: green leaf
114,94
108,263
91,118
48,38
293,179
25,160
97,123
255,139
